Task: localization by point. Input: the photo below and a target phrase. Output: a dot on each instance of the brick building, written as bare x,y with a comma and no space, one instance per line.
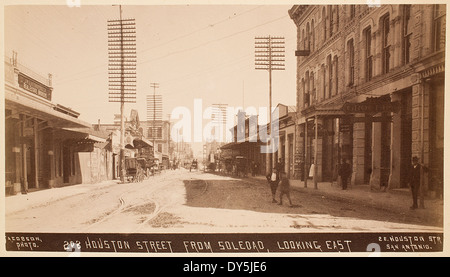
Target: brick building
370,88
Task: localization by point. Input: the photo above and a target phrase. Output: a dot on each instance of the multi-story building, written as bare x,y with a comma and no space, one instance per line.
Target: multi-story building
155,133
370,88
158,132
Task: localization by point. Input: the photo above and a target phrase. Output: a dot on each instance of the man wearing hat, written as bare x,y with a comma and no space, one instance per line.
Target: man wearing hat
414,179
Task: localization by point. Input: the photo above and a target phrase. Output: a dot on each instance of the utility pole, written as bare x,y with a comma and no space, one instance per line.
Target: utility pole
154,110
269,55
169,138
122,71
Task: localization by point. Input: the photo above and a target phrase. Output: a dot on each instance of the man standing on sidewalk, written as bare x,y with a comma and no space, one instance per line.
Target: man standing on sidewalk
345,171
414,179
273,179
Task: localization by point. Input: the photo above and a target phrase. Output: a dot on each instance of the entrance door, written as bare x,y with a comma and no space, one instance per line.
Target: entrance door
406,134
385,158
367,150
66,164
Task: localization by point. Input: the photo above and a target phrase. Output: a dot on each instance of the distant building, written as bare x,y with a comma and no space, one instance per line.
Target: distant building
286,141
246,143
370,88
151,133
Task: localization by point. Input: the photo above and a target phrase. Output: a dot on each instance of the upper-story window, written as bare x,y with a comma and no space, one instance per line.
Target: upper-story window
324,22
154,132
407,33
304,39
307,88
336,78
439,27
351,62
386,44
368,53
352,11
330,76
312,88
308,37
324,81
331,19
313,37
305,94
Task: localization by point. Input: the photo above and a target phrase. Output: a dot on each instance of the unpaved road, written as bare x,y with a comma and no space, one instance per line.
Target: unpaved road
190,202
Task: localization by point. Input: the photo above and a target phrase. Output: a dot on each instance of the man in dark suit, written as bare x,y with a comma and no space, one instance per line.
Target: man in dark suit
345,171
414,179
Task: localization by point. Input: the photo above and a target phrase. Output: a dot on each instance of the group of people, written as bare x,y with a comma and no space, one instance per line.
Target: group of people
278,178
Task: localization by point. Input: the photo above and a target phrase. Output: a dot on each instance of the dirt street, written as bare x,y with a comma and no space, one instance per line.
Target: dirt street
181,201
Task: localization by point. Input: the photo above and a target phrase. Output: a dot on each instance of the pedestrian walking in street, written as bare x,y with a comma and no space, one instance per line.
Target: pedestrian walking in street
414,179
273,180
285,189
280,167
345,171
312,170
255,167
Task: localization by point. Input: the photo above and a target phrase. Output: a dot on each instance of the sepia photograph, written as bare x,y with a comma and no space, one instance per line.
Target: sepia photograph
223,128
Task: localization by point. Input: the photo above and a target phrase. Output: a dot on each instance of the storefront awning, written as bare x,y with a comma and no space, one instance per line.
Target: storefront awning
21,103
335,110
132,142
87,134
235,145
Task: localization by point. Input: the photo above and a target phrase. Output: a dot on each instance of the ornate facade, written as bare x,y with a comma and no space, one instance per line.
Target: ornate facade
370,88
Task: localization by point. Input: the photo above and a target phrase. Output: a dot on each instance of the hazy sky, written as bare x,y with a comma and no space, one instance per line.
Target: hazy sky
192,51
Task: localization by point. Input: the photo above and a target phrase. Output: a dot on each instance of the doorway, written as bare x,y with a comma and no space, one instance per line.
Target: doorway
406,137
66,164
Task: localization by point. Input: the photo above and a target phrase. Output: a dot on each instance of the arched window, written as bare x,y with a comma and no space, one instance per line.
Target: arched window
308,37
368,58
385,43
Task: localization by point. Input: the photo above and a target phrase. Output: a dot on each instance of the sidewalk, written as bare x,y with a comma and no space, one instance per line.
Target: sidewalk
397,200
19,202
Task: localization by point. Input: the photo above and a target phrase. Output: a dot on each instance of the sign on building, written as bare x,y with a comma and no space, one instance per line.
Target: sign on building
35,87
